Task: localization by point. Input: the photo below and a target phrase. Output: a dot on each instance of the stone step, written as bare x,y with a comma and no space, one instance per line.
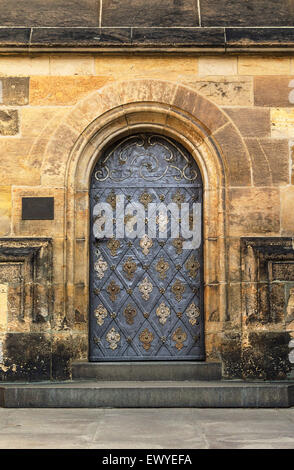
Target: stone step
147,370
158,394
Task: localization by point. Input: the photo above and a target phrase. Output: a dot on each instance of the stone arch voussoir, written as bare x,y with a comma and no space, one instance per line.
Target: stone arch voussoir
178,103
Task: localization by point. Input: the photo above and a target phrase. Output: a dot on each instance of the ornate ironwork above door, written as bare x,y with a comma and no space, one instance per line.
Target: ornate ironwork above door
146,288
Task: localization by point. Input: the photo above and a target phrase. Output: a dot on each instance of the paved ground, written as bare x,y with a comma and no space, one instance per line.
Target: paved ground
146,428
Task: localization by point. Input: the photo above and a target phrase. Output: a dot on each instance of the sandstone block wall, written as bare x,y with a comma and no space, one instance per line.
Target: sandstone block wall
245,103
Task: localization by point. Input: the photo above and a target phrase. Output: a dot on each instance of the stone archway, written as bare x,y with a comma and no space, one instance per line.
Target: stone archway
168,109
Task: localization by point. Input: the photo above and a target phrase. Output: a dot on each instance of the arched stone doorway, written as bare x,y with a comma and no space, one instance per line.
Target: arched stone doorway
117,112
146,260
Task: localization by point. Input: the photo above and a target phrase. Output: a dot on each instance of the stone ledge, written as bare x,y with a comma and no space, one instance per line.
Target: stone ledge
173,394
254,38
194,39
144,371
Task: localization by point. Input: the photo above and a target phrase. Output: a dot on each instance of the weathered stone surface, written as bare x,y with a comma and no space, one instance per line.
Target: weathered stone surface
231,354
50,13
234,304
207,113
254,211
287,213
264,65
81,249
267,276
238,39
98,36
218,65
67,347
213,344
62,90
211,296
26,266
265,356
252,122
9,123
179,37
26,356
128,91
23,66
184,128
291,161
85,37
277,299
140,13
14,154
234,259
62,351
154,371
283,271
15,91
14,292
5,210
68,65
37,125
70,13
3,309
234,150
289,320
28,352
282,122
250,13
131,37
54,168
13,37
224,91
274,91
141,67
270,161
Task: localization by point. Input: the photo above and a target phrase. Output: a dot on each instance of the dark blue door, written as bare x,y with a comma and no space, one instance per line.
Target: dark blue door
146,289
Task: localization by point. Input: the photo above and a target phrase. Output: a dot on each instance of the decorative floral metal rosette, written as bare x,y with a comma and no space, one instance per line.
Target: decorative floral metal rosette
163,312
145,287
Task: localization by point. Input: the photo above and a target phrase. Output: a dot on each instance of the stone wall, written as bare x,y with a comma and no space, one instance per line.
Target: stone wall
52,105
113,13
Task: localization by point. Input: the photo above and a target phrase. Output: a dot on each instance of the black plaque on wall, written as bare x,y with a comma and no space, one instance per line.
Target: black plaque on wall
37,208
